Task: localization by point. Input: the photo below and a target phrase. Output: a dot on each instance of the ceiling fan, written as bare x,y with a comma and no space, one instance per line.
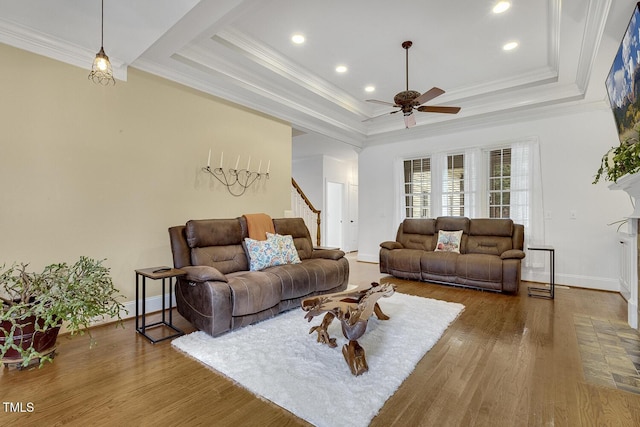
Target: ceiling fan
409,100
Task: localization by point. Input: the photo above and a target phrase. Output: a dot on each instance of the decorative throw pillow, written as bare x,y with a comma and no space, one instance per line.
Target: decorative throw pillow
449,241
286,246
263,254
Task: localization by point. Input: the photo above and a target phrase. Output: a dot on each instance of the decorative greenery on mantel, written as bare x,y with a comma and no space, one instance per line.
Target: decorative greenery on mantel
619,161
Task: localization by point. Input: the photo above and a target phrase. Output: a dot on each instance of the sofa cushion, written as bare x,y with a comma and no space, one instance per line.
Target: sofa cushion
309,276
213,232
227,259
490,236
334,254
452,223
329,273
405,263
479,267
419,226
491,227
439,263
449,241
296,228
417,233
488,245
253,292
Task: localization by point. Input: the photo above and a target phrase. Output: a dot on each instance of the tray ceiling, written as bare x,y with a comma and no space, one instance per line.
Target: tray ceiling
242,51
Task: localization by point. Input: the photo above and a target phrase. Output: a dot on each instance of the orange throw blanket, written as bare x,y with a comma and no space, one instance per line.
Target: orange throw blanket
258,225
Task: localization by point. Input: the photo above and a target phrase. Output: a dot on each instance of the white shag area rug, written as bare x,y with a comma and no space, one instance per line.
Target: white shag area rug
279,360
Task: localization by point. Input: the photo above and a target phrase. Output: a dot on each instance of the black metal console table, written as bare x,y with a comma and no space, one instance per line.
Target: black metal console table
156,273
548,293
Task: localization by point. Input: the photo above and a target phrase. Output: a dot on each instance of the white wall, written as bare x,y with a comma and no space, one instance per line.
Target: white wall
571,146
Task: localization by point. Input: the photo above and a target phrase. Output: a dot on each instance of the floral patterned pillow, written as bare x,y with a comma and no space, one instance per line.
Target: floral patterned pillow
276,250
263,254
449,241
286,246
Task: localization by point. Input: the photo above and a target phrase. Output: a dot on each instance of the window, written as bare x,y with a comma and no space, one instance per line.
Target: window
453,188
417,188
496,182
500,183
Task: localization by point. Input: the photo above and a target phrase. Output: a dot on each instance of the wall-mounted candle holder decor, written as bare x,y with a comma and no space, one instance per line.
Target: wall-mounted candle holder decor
236,180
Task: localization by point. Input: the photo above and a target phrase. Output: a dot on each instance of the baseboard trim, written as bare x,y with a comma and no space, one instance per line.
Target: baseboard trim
372,258
573,280
152,305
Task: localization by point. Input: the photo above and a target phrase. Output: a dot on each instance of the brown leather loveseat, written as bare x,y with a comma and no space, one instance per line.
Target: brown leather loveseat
219,293
490,253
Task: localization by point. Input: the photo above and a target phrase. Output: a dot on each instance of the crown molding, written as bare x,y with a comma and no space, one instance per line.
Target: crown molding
598,12
43,44
216,83
278,64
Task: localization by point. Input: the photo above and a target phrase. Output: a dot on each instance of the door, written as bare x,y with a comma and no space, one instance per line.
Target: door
352,230
334,230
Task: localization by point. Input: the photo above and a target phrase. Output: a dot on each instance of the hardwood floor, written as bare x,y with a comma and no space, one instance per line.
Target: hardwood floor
506,361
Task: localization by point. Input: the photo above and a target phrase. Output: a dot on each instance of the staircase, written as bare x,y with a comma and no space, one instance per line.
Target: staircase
303,208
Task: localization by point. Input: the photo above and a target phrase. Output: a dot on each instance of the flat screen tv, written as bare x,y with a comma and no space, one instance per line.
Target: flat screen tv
623,81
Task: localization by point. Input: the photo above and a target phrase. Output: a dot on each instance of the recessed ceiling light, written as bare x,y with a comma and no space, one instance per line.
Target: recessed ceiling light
501,6
510,46
370,89
297,38
341,69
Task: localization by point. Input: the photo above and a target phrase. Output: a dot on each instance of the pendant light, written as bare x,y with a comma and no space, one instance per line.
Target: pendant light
101,71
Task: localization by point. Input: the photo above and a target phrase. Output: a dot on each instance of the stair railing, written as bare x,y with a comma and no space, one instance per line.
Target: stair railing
303,208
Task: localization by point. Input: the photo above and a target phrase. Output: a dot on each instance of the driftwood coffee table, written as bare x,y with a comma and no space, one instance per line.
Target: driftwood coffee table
352,307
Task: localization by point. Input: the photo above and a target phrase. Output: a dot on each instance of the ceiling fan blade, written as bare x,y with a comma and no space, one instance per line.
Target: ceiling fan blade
409,120
428,95
433,109
380,115
375,101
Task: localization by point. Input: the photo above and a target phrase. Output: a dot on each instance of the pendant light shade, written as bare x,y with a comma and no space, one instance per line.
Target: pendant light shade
101,71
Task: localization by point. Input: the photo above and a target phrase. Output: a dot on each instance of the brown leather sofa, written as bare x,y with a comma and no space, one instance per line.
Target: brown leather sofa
490,255
219,293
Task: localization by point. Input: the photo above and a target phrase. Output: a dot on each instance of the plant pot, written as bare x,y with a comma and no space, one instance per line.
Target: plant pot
26,335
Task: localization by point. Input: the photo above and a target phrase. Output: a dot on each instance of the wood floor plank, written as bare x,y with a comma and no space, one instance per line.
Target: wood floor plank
506,361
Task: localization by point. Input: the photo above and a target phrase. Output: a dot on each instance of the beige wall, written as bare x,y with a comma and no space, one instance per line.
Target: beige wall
103,172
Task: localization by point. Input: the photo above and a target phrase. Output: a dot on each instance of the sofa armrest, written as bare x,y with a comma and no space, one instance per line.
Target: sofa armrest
391,245
512,254
334,254
203,273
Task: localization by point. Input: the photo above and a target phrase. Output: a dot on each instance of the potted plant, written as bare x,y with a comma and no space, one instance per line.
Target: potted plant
621,160
35,306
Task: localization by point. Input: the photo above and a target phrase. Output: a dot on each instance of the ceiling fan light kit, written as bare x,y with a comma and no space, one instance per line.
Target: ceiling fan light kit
409,100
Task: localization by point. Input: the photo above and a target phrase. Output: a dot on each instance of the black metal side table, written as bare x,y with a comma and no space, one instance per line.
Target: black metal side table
545,292
156,273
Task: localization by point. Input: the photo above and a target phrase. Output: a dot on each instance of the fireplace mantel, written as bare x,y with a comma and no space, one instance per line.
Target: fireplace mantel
631,185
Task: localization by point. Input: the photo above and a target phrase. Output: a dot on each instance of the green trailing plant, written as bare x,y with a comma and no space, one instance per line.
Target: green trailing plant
74,295
619,161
